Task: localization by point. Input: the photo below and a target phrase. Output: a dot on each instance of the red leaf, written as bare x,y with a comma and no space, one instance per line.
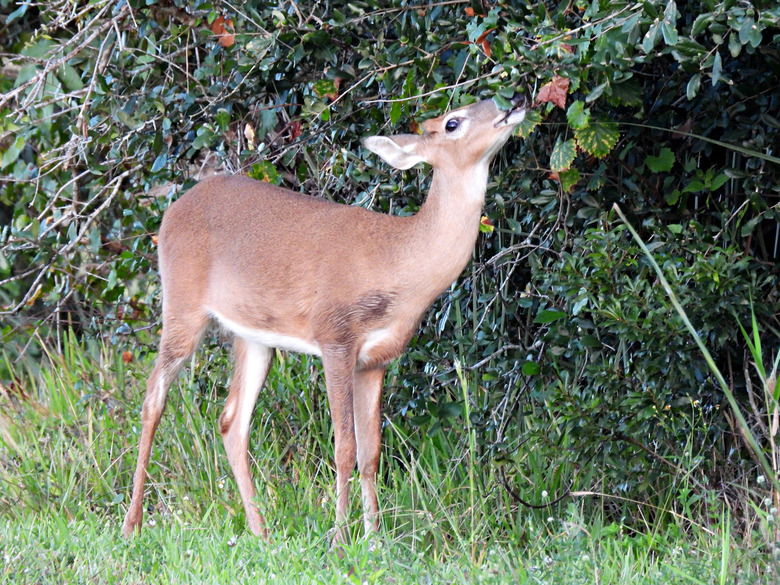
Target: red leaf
296,129
469,10
484,43
554,92
484,35
127,356
220,28
334,96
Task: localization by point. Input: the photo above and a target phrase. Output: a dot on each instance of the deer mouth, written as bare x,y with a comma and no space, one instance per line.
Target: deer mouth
515,114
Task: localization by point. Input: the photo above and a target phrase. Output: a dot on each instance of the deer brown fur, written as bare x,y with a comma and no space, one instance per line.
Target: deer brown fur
283,270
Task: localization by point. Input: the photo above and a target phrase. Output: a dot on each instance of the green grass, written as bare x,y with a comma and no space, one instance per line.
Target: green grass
89,549
68,447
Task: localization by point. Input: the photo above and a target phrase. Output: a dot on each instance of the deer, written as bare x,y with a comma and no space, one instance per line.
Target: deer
282,270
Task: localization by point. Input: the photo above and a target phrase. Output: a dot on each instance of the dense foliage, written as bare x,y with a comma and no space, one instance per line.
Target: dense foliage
669,109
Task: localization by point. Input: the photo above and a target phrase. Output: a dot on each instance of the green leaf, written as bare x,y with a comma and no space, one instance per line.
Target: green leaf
265,171
580,304
549,316
569,178
626,93
651,37
259,46
695,186
661,163
70,78
756,35
268,121
502,102
204,136
514,226
395,113
531,368
13,152
40,50
577,115
160,162
735,47
689,49
701,23
18,13
563,155
693,86
672,197
325,88
719,181
596,92
717,68
449,410
750,32
532,119
750,226
670,33
223,119
318,37
668,24
127,119
598,138
591,341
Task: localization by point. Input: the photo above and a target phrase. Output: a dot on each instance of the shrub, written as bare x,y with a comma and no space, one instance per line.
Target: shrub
668,109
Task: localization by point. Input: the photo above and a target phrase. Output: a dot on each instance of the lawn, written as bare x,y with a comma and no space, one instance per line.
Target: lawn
68,433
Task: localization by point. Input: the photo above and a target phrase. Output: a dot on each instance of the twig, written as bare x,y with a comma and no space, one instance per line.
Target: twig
499,351
582,494
62,252
437,90
51,65
404,9
516,496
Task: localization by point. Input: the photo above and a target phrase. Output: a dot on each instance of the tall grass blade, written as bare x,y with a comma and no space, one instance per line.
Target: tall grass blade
472,447
744,427
724,548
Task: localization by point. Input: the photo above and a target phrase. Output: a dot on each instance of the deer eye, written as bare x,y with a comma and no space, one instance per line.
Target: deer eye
452,125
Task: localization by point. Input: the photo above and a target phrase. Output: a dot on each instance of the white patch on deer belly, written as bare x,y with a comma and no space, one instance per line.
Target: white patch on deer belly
374,338
256,369
268,338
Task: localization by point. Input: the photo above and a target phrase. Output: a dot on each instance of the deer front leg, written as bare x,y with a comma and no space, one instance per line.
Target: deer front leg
367,403
339,367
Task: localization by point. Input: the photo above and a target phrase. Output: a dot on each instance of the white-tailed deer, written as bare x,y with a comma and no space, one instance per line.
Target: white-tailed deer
285,270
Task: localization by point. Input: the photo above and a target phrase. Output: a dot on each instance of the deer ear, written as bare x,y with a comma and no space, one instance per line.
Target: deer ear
398,151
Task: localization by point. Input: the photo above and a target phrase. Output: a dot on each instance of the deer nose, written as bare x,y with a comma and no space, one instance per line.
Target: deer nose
518,100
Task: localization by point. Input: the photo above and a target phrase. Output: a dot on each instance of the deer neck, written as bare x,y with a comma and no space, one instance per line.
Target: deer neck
446,228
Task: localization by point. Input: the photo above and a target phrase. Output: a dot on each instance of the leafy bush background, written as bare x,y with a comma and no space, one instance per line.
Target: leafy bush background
671,110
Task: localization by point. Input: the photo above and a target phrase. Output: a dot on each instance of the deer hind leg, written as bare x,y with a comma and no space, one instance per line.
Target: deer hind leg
178,342
339,368
252,362
367,401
